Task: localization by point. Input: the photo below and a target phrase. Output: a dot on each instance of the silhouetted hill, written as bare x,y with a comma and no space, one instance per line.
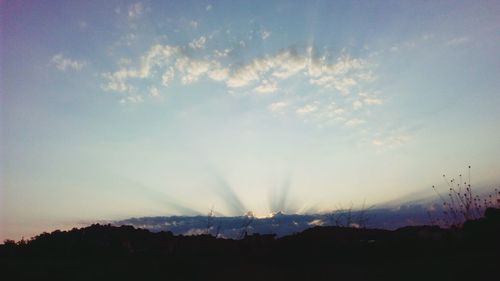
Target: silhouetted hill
105,252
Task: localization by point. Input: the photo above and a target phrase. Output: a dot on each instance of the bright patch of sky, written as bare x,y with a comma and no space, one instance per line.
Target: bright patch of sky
114,109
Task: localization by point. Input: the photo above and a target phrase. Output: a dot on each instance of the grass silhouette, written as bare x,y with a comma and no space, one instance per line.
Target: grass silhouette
462,203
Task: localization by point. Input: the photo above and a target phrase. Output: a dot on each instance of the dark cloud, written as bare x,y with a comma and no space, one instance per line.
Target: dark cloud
284,224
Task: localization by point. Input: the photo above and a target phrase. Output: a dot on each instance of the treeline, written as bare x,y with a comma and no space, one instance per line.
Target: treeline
105,252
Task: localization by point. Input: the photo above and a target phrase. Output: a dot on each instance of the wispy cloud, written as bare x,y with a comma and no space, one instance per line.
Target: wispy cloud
278,106
135,10
194,24
391,136
266,87
126,40
83,25
167,76
370,99
373,101
339,111
198,43
391,141
154,92
191,69
265,34
354,122
132,99
63,63
457,41
118,81
307,109
357,105
222,53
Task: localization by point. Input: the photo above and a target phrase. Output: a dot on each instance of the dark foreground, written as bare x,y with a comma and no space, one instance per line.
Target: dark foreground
103,252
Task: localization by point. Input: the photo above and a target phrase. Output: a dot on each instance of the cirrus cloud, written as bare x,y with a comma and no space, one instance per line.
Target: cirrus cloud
64,63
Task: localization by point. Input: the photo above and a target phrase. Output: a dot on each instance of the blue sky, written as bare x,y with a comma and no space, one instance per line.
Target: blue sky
132,108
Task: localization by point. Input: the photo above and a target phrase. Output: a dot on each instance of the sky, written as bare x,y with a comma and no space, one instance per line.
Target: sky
118,109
